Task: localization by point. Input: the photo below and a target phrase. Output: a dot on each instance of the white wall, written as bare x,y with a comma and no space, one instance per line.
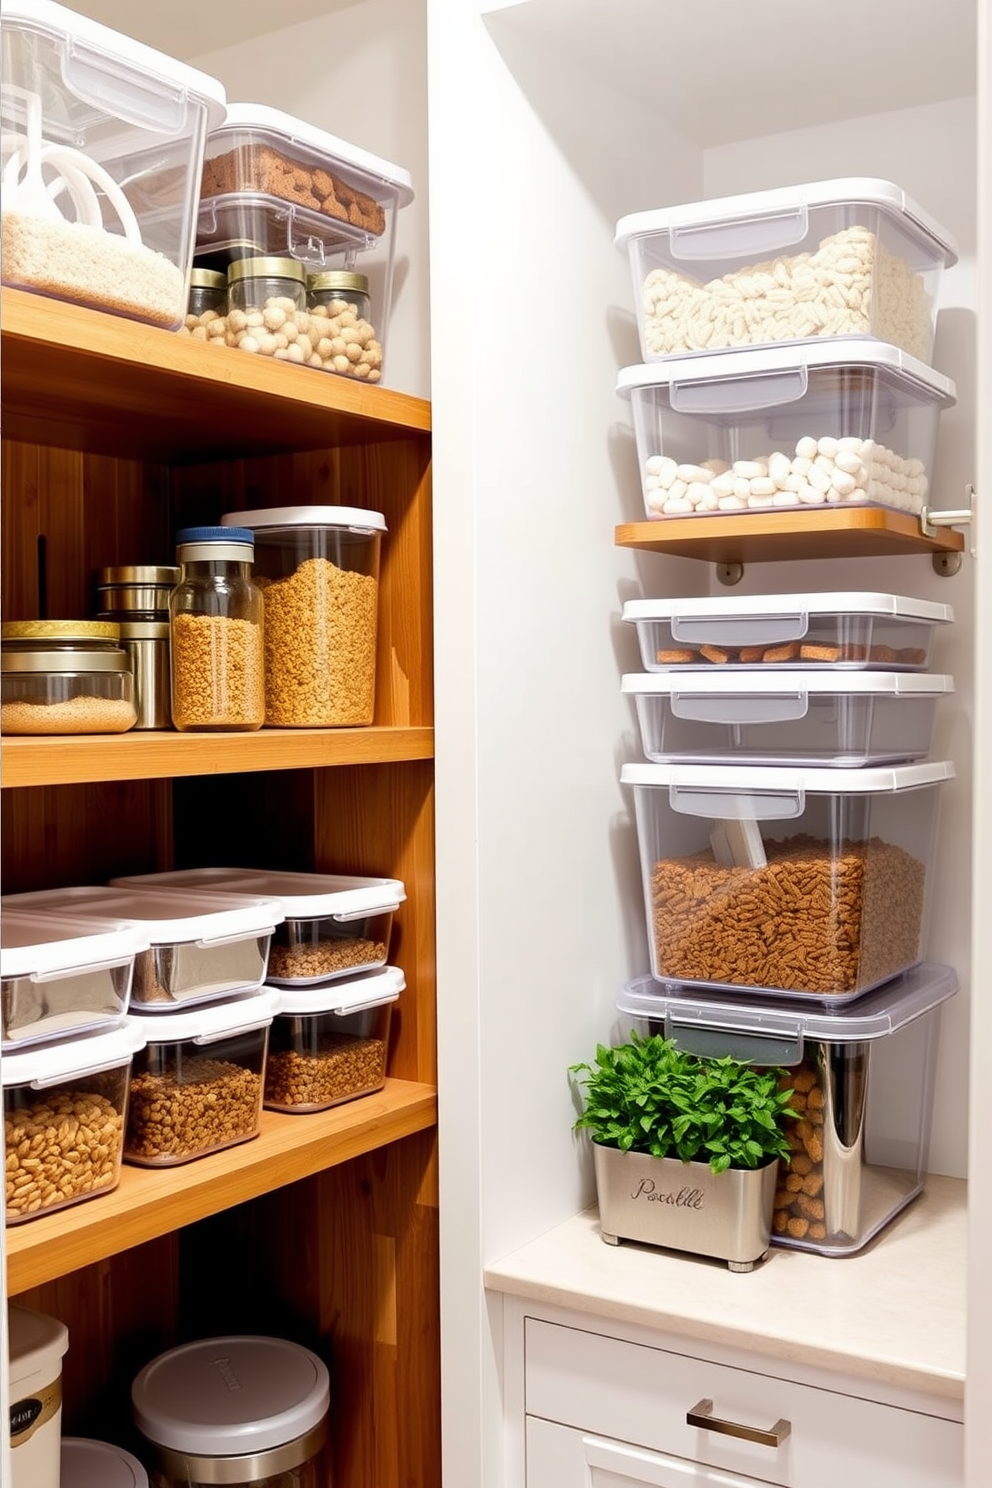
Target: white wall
360,74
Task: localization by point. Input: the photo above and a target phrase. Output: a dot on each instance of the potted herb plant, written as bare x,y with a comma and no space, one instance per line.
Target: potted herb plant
686,1148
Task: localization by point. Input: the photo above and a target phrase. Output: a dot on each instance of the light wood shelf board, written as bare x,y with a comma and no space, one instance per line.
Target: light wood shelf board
852,532
149,755
150,1202
89,381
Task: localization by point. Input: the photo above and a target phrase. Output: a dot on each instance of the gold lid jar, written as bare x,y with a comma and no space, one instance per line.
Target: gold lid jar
340,286
256,283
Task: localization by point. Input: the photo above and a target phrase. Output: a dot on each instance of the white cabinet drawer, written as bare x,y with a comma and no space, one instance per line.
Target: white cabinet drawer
613,1388
559,1457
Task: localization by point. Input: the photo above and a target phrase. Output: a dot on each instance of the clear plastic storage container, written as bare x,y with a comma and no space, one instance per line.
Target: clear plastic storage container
196,1086
795,883
842,423
318,569
202,946
37,1346
64,1109
62,975
335,924
863,1078
215,633
248,1412
103,142
851,257
847,631
65,677
276,183
330,1044
99,1464
849,719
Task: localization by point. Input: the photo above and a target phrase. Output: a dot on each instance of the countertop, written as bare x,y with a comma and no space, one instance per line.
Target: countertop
894,1312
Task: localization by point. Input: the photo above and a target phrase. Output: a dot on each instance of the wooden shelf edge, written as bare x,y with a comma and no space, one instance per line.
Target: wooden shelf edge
851,532
150,1202
89,759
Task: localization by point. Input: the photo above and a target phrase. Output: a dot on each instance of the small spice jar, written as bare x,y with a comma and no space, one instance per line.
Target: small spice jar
65,677
245,1411
261,283
207,292
339,289
215,623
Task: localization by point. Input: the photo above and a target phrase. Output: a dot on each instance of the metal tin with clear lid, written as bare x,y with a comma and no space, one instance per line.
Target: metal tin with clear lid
240,1411
253,282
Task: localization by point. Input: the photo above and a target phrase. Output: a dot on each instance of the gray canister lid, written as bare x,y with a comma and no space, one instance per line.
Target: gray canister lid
229,1396
97,1464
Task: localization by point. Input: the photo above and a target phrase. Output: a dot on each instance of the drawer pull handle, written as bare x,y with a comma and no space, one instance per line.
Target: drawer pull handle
702,1415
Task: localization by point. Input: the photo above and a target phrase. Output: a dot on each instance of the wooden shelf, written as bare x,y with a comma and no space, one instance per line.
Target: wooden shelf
853,532
83,380
83,759
150,1202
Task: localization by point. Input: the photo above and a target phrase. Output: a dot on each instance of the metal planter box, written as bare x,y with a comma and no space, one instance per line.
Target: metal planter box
685,1206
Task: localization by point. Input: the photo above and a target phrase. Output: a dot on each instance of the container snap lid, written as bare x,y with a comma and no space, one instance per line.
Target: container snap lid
38,943
35,1339
768,682
342,996
97,1464
748,779
209,1022
230,1396
874,1015
301,895
169,916
747,606
72,1059
351,517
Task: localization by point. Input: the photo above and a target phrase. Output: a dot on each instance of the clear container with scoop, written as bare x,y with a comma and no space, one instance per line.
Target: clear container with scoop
863,1078
103,142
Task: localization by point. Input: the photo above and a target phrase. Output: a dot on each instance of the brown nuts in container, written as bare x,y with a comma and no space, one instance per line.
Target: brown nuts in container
329,1044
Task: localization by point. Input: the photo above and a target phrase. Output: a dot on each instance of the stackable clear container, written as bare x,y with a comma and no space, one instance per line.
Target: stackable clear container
839,423
65,677
62,975
273,184
771,717
847,631
863,1078
794,883
335,924
330,1044
256,1420
201,945
64,1109
849,257
103,142
318,569
196,1085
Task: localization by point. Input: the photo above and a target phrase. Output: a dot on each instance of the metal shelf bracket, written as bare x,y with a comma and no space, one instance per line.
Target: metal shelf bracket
947,564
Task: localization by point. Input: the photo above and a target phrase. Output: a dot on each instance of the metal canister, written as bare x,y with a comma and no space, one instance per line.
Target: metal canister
136,591
147,644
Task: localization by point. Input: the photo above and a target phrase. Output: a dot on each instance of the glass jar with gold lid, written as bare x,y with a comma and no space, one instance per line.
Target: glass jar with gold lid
64,677
266,282
340,289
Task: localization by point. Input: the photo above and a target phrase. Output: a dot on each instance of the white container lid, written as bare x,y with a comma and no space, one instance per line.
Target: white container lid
145,61
861,190
748,780
170,916
824,353
97,1464
769,682
37,944
36,1341
241,116
209,1023
230,1396
353,518
374,989
873,1016
747,606
303,896
72,1059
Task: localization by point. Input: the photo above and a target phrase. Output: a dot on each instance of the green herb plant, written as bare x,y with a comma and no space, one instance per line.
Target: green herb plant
648,1095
